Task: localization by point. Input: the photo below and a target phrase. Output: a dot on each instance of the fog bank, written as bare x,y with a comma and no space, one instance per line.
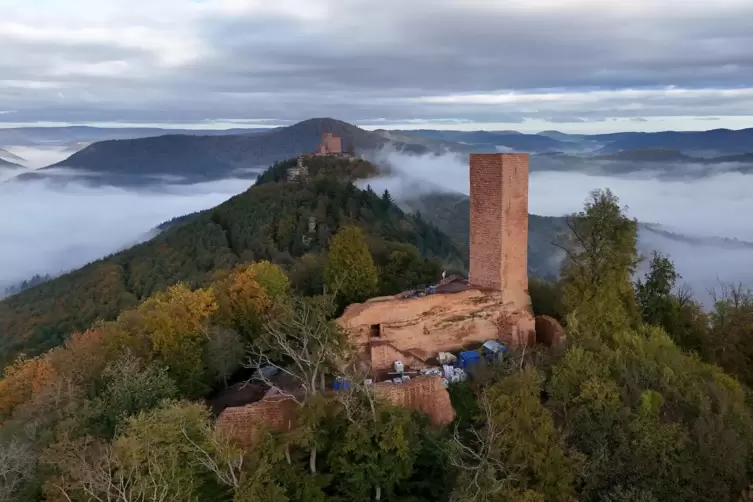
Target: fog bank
716,205
48,227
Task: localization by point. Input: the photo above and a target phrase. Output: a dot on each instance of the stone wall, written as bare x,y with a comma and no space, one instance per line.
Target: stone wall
499,224
244,424
426,395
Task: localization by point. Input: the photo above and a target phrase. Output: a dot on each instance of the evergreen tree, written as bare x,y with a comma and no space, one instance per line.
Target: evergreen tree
654,293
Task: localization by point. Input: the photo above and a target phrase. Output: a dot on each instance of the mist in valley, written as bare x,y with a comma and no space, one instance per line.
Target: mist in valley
50,227
705,207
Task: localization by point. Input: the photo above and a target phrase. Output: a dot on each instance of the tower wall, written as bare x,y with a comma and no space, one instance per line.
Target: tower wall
499,223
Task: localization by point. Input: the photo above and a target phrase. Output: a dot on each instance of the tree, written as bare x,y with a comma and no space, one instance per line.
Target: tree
600,258
373,446
274,281
515,451
242,301
303,344
176,322
22,381
350,269
17,464
387,198
651,418
224,353
157,445
129,387
654,293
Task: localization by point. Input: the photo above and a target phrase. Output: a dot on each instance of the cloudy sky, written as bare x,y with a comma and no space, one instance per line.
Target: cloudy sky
573,65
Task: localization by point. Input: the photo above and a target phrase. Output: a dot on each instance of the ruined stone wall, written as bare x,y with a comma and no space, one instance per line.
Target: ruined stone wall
244,424
426,395
499,224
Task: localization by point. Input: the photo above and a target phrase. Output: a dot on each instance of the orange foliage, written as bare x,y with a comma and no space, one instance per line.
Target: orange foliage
82,358
24,380
242,300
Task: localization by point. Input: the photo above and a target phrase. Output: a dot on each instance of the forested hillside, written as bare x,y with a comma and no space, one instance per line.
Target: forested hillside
270,221
646,399
450,213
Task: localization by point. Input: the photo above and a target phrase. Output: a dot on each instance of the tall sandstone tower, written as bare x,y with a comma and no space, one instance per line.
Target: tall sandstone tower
499,224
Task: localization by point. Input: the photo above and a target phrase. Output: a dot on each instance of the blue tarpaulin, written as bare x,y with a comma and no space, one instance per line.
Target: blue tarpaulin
466,359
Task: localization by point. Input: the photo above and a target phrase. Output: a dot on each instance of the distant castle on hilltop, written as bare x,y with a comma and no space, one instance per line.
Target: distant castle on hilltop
331,145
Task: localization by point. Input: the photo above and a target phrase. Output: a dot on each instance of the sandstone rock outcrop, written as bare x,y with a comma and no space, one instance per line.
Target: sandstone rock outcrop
415,330
549,332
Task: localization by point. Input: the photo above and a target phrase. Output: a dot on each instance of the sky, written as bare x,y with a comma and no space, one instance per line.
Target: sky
583,66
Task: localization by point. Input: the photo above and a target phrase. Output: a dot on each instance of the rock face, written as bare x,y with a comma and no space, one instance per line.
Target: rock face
415,330
549,332
244,424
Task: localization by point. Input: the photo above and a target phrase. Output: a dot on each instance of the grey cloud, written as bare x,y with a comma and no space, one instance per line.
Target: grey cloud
370,58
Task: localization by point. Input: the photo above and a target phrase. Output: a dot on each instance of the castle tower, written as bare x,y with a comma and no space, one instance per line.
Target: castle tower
499,224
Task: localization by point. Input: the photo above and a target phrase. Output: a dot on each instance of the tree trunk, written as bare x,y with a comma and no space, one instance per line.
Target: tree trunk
312,461
378,495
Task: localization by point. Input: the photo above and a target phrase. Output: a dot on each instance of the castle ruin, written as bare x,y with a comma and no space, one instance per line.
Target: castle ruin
330,145
499,224
492,305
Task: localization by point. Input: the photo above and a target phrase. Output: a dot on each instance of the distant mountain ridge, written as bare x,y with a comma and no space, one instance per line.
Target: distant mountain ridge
59,136
201,158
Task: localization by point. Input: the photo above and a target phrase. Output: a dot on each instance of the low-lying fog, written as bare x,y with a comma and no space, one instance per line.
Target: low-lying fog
50,227
718,205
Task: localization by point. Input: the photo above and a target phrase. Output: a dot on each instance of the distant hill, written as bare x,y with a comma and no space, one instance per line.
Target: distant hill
450,213
493,141
5,163
60,136
715,142
9,158
199,158
649,155
270,221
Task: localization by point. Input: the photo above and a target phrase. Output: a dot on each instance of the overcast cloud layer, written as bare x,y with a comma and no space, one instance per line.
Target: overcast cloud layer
576,65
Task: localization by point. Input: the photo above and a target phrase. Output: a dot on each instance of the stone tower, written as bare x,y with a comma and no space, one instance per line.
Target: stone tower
499,224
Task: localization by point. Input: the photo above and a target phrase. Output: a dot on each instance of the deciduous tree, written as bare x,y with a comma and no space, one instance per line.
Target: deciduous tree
350,269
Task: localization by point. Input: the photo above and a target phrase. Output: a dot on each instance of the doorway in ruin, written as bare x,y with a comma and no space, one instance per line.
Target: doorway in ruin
375,331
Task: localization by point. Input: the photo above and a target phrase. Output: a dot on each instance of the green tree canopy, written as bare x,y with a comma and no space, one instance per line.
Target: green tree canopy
600,258
350,269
